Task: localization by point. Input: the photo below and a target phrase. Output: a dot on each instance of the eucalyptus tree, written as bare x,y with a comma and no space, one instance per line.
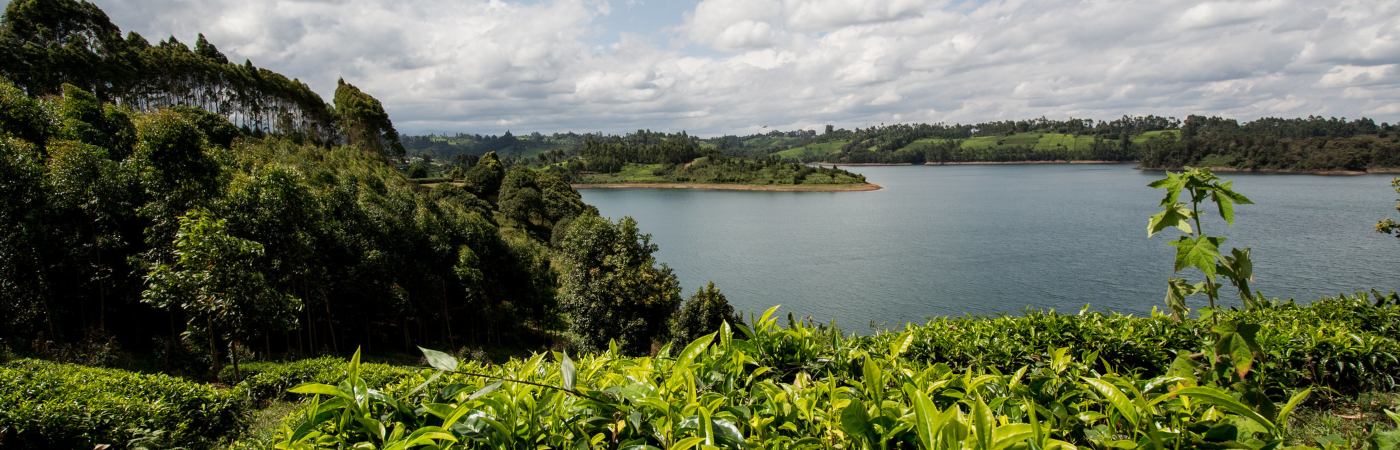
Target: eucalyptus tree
365,123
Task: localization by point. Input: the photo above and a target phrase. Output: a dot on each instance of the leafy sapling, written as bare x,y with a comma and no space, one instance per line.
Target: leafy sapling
1196,249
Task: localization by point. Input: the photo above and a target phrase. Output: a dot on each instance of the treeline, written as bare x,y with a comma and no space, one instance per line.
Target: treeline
45,44
1312,143
647,156
610,153
504,145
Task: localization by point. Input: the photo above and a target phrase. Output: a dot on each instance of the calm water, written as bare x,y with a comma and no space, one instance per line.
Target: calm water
989,239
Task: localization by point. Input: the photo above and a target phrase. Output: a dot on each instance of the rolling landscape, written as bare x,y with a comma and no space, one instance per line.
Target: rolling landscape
698,225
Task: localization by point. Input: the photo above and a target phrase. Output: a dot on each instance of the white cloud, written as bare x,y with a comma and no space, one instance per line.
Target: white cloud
734,66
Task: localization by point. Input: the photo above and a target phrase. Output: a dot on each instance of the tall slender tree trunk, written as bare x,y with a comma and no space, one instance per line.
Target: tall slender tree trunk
213,346
233,353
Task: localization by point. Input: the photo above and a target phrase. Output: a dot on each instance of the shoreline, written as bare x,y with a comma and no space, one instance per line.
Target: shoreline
1026,162
975,163
1319,172
862,187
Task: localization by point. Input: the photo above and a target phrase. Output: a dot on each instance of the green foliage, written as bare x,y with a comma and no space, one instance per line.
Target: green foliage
701,314
484,178
650,157
802,386
365,123
1197,250
22,200
1388,225
23,117
82,117
611,287
1346,343
264,381
93,208
47,405
216,282
1313,143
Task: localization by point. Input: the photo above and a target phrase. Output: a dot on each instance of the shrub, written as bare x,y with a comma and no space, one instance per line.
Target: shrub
700,315
47,405
722,391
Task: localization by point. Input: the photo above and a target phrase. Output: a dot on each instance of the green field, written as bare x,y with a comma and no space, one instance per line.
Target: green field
1036,141
809,151
1144,137
631,173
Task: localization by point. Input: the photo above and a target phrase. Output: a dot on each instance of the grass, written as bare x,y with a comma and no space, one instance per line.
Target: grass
631,173
1051,141
264,424
1144,137
1347,423
920,144
810,151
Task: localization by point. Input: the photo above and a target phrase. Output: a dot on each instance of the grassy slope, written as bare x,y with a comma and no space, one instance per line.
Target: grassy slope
631,173
812,150
1142,138
1036,141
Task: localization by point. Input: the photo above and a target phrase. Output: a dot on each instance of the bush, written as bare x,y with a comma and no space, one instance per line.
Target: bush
47,405
808,386
700,315
270,380
1347,343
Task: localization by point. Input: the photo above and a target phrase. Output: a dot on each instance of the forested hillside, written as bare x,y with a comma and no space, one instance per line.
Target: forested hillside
1307,144
167,214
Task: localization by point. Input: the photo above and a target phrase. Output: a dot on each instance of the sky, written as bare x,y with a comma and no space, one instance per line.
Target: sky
715,67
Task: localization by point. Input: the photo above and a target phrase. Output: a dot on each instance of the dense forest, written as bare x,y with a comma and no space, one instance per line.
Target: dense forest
1313,143
240,239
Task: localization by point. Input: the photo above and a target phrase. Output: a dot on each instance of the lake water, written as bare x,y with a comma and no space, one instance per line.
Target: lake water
952,240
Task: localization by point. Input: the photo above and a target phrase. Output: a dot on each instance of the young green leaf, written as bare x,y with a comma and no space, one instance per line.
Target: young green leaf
1115,398
1225,401
439,360
1175,215
566,371
1199,252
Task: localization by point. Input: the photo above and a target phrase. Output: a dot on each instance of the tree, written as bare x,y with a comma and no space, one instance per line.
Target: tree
21,216
1388,225
215,281
484,178
700,315
611,287
364,121
520,198
24,117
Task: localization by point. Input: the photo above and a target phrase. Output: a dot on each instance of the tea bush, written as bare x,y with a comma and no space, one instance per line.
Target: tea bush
270,380
1346,343
47,405
1042,380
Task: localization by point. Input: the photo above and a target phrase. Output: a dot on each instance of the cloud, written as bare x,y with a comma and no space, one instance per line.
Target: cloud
735,66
